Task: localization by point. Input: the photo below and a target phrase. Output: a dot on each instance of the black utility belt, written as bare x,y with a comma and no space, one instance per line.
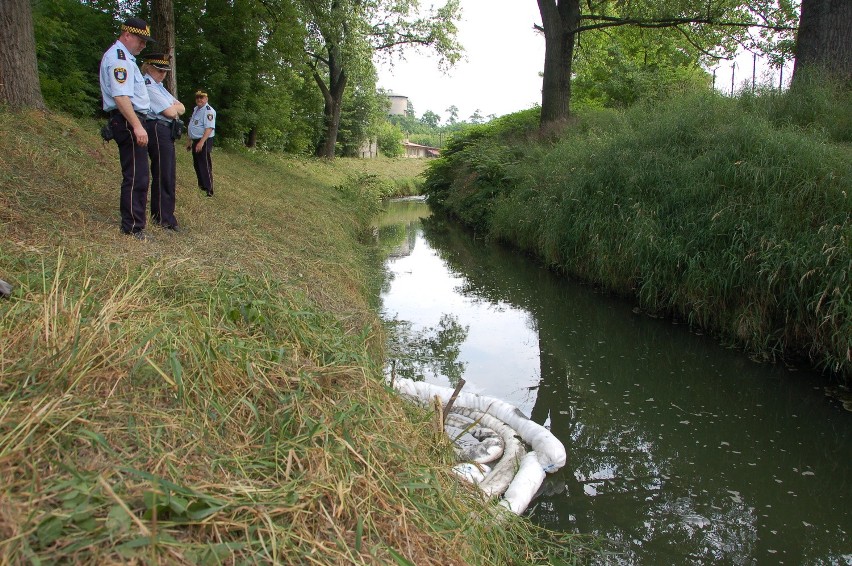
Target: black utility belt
142,116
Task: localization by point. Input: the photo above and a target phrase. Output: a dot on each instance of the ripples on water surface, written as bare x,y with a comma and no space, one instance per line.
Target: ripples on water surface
679,451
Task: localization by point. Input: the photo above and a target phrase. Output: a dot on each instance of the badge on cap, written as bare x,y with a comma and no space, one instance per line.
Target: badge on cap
120,74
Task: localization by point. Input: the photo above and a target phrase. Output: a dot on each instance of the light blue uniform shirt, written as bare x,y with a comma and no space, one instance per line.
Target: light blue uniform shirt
120,76
202,118
160,98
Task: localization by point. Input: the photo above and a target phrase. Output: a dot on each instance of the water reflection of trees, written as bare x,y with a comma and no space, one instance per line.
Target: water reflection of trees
397,240
434,350
430,351
396,229
622,443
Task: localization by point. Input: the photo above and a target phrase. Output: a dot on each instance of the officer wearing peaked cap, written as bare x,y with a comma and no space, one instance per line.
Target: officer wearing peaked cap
201,129
126,99
165,109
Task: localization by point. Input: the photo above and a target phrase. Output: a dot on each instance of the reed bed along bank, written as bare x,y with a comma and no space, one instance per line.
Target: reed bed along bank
212,396
733,214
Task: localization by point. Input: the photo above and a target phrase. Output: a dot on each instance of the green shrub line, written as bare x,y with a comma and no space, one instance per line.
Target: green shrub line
733,214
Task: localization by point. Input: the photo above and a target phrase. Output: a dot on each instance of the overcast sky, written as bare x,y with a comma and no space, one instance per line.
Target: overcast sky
503,59
499,73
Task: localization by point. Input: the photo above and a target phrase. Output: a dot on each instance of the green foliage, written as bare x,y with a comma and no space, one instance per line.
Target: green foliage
733,214
701,27
389,139
452,114
430,119
472,165
71,38
364,111
407,123
366,191
620,32
628,64
343,37
427,129
250,56
249,62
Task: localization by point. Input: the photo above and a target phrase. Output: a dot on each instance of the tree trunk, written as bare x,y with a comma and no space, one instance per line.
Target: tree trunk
252,138
163,30
332,126
333,96
19,86
824,42
559,19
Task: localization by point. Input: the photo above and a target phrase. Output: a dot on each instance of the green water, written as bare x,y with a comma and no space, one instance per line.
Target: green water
679,451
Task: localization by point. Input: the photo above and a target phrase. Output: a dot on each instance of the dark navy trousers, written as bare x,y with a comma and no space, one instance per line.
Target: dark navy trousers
203,165
134,176
161,149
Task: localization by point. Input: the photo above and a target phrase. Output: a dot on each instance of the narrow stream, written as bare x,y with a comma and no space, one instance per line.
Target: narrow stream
679,451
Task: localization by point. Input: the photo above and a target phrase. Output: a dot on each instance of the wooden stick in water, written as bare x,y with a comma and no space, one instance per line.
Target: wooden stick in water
453,399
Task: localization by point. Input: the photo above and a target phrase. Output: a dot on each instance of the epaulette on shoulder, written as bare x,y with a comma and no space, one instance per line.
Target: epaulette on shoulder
208,107
119,53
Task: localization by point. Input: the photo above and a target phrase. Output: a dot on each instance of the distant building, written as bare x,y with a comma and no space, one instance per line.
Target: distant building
369,148
398,104
417,151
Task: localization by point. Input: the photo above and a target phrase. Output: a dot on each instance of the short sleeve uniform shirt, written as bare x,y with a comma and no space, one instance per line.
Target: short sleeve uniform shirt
120,76
202,118
159,96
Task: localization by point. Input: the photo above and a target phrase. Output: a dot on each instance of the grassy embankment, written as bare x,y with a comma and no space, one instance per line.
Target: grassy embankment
214,395
734,214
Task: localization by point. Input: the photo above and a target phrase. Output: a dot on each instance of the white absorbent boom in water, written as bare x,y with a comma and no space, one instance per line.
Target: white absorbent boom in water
516,475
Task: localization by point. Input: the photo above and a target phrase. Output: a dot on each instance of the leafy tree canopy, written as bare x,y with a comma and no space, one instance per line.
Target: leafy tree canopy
69,56
430,119
344,35
707,29
621,66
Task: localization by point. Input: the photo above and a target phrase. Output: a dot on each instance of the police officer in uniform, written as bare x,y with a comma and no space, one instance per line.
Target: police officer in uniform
201,129
165,109
125,97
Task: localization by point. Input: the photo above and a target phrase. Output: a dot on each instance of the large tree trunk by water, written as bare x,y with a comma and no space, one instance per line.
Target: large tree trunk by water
560,19
163,30
19,86
824,42
333,95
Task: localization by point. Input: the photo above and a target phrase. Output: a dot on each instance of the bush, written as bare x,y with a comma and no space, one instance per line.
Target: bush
69,56
389,140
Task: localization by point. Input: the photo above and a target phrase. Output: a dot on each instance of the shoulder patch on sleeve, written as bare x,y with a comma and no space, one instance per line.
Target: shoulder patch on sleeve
210,117
120,74
120,54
